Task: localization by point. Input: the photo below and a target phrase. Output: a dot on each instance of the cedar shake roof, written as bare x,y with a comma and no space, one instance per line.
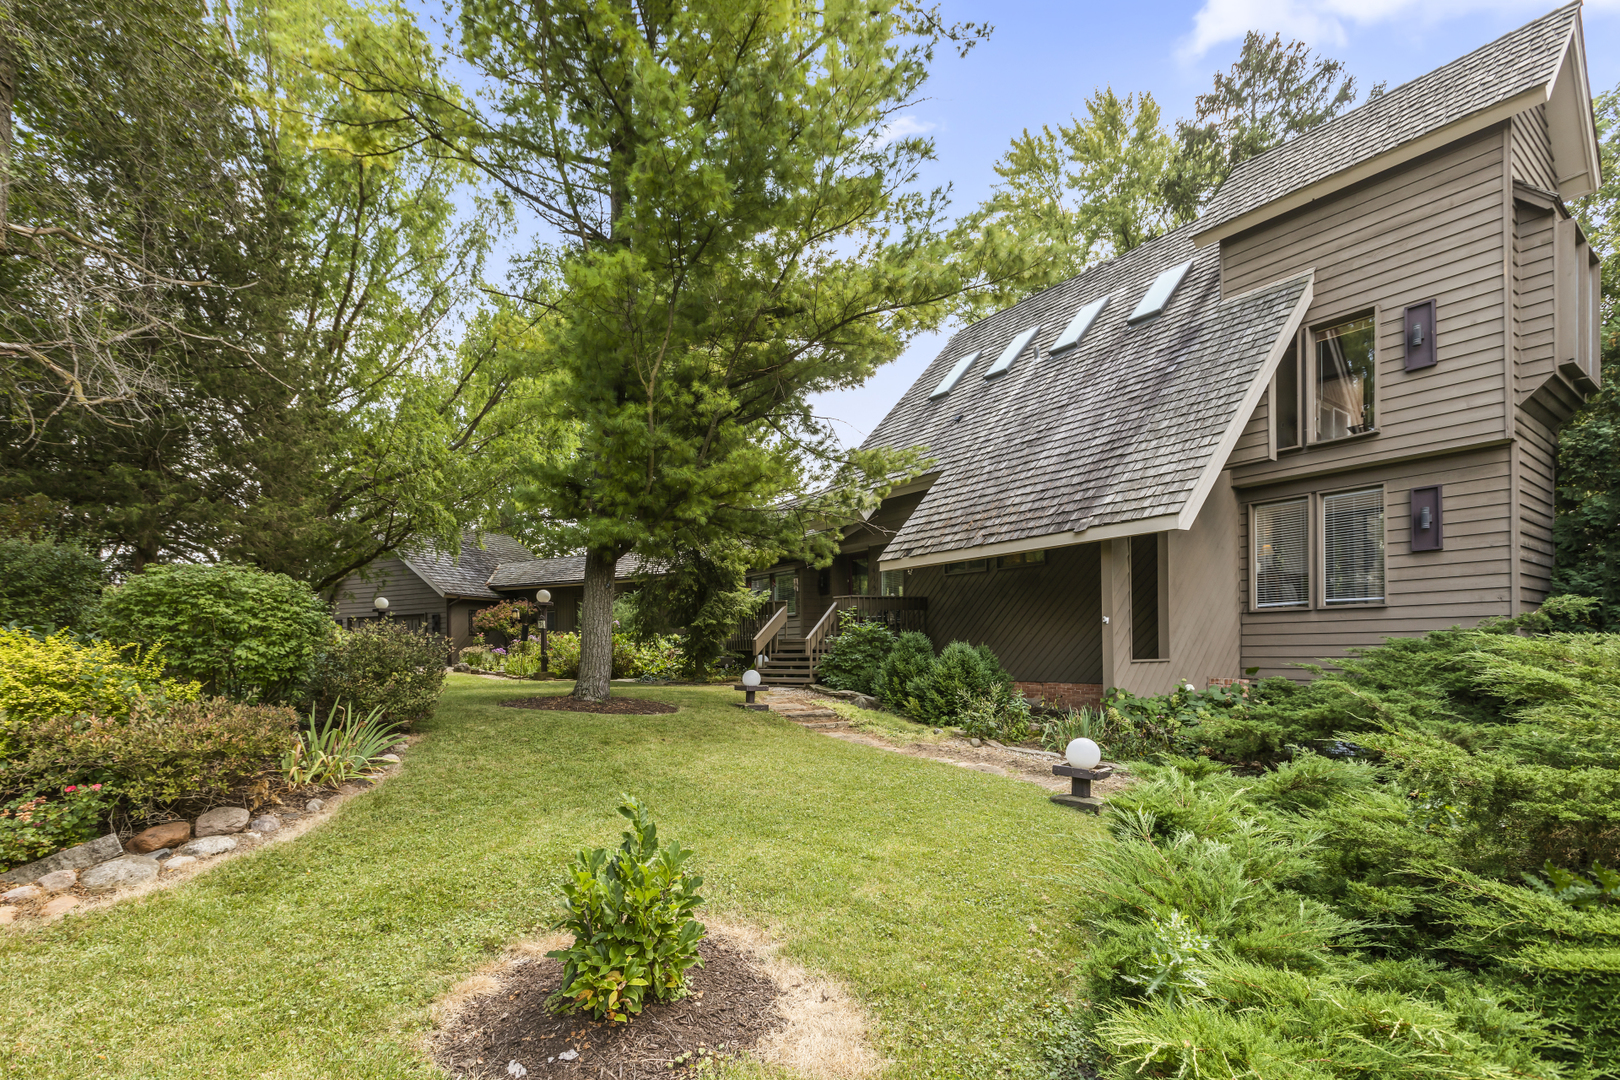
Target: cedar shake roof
1134,424
467,573
532,573
1526,59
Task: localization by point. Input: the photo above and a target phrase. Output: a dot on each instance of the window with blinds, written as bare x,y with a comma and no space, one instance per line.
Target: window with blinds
1282,576
1353,547
892,582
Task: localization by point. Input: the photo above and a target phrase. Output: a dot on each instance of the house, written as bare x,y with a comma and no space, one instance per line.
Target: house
438,591
1323,414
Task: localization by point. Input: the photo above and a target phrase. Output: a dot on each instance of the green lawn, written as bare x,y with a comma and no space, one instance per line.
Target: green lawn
935,892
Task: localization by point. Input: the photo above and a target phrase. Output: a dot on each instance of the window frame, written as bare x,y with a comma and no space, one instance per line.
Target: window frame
1306,349
968,566
1161,597
1320,546
1025,559
1311,558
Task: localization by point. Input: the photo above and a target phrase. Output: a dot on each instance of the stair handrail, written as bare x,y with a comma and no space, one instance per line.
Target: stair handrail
822,631
772,627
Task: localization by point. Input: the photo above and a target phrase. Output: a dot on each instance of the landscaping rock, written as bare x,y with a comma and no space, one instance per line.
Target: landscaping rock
267,823
160,854
58,881
462,669
170,834
222,821
119,874
399,747
179,861
975,742
314,805
392,759
8,915
73,858
60,906
209,845
22,894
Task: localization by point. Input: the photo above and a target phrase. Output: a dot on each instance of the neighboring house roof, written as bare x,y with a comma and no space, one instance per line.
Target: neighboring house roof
467,573
533,573
1125,433
1515,72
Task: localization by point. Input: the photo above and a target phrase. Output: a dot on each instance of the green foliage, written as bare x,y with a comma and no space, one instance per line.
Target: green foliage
1577,890
44,677
631,916
905,672
45,585
1002,713
685,369
653,659
1117,177
961,672
33,826
242,632
385,666
857,654
160,752
343,747
700,593
507,618
1133,728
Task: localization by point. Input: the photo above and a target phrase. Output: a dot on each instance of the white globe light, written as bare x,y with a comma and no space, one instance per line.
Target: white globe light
751,677
381,603
1083,754
544,596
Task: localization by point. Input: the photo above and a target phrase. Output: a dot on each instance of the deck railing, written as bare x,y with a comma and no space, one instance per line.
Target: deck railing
754,631
898,613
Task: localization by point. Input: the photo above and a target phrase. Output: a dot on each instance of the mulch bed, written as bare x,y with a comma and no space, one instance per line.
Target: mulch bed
728,1011
621,706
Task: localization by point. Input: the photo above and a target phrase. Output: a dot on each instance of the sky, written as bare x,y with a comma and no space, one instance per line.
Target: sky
1045,58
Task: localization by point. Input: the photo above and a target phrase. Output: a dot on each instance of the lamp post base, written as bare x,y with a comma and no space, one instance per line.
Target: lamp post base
1080,796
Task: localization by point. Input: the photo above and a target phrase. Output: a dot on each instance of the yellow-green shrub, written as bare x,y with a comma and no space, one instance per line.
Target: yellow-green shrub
44,677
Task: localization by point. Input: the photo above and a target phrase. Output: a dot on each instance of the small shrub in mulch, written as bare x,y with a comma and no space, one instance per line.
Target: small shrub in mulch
730,1009
621,706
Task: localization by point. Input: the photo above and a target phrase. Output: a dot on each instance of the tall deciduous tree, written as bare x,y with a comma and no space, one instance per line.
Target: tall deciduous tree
1120,176
736,230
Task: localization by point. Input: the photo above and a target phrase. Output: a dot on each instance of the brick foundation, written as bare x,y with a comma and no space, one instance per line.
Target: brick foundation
1063,695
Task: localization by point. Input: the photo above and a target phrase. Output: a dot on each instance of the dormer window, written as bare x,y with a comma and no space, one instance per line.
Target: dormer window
1345,379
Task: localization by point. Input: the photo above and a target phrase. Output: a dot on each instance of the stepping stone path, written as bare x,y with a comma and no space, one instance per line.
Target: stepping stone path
809,714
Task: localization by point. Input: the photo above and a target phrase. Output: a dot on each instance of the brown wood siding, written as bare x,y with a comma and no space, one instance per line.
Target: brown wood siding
407,594
1533,296
1043,621
1470,579
1538,461
1532,150
1255,443
1433,229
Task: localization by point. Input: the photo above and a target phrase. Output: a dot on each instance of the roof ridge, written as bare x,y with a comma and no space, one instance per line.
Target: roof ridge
1321,129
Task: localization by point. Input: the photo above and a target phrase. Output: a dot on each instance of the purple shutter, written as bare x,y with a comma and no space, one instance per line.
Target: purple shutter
1420,336
1427,532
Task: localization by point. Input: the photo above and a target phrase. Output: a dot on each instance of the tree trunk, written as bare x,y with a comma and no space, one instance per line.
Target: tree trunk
8,90
596,628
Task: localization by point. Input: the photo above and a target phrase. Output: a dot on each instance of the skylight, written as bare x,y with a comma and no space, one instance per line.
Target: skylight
953,376
1159,293
1010,353
1079,325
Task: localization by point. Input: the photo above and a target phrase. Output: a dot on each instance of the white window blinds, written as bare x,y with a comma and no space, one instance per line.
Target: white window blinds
1282,576
1353,547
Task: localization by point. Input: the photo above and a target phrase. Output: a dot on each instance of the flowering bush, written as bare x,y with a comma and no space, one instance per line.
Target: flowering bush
506,618
42,677
34,826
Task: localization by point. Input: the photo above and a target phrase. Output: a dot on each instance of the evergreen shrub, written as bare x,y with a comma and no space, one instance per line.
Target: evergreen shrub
856,655
242,632
903,675
962,672
45,585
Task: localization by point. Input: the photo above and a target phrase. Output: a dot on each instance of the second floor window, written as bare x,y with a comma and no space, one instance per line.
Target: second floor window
1345,376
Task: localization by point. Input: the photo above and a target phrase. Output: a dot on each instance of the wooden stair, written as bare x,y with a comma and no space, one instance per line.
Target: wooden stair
787,664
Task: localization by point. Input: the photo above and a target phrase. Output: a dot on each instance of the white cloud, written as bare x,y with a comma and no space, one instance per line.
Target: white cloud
1324,22
904,127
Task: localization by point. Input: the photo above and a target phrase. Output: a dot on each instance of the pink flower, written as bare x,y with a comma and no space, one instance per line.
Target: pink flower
95,787
70,787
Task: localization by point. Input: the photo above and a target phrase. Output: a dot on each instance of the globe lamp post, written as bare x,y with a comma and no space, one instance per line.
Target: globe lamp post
544,598
1083,764
750,686
381,604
